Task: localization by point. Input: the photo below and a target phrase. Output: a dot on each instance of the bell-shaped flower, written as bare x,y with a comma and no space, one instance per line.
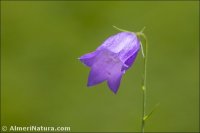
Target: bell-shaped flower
111,59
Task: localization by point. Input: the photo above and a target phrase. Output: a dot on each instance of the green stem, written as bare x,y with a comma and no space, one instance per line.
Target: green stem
144,54
144,95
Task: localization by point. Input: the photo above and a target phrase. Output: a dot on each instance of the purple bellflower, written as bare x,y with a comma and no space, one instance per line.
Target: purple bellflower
111,60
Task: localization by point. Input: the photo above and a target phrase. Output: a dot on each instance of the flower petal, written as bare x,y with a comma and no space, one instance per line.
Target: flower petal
106,43
125,44
88,59
131,47
96,76
106,66
114,81
129,62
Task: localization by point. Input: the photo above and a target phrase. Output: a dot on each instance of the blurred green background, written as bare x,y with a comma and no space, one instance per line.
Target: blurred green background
43,83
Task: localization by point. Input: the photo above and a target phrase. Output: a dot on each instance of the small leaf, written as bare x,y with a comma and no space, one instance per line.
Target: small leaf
147,116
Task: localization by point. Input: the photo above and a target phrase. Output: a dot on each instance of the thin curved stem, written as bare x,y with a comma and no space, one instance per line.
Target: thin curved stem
144,54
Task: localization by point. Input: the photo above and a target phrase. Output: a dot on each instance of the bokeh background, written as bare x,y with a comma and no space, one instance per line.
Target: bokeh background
43,82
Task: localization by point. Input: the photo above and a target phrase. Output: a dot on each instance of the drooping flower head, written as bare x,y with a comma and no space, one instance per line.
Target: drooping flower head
111,59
